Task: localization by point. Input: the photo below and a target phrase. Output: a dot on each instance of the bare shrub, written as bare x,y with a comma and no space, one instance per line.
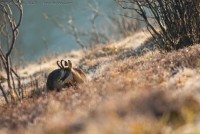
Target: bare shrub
174,24
124,24
8,33
117,25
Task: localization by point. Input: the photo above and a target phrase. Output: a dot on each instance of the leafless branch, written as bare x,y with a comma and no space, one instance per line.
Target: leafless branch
177,21
11,25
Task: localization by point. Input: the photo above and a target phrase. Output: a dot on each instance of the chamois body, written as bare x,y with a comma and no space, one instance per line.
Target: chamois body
65,76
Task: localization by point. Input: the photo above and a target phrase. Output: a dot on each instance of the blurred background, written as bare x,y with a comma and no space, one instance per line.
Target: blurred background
58,27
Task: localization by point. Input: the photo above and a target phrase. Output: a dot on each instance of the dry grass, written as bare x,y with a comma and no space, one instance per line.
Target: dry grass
148,93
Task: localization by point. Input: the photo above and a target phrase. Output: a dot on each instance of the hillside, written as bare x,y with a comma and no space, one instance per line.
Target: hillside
131,89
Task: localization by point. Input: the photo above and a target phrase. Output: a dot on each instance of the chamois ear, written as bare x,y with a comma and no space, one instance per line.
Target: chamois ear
66,64
69,64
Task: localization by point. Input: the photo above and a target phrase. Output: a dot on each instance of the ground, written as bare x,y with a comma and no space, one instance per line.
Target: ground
131,89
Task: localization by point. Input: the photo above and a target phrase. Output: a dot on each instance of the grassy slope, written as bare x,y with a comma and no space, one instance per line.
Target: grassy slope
126,92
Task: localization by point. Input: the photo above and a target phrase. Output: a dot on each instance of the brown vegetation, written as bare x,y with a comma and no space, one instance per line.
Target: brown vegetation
151,92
